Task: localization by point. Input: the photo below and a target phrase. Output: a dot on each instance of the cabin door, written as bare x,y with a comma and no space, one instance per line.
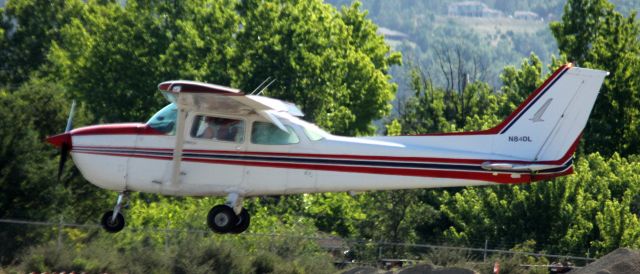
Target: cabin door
212,154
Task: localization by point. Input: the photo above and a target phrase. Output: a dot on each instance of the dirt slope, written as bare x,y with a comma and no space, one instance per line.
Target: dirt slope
620,261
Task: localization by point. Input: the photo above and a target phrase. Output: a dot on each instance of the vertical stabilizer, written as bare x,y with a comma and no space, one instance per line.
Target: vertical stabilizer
546,126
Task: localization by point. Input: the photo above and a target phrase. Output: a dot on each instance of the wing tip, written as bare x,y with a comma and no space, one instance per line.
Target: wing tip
185,86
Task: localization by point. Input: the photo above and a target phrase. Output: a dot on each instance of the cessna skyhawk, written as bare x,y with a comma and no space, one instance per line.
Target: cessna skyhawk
212,140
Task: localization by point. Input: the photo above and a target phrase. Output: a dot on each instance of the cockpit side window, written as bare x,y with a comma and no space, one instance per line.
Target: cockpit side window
165,119
218,128
263,133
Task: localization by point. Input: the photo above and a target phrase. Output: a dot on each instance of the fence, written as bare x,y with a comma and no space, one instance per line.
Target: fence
381,249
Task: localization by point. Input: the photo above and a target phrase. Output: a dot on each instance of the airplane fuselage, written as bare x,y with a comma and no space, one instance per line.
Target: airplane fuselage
135,157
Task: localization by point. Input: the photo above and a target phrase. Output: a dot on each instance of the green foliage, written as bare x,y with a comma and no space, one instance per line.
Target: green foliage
205,257
471,106
28,28
392,216
335,212
394,128
519,83
333,64
109,58
189,254
594,35
28,186
588,211
434,109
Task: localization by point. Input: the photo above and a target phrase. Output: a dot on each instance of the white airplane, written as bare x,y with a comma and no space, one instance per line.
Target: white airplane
216,141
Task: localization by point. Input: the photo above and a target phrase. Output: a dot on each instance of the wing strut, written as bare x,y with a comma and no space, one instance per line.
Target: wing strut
177,151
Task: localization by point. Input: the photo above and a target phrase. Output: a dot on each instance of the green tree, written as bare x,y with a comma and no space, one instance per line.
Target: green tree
392,217
27,28
594,35
335,212
432,109
110,60
29,188
592,210
332,64
518,84
113,57
202,42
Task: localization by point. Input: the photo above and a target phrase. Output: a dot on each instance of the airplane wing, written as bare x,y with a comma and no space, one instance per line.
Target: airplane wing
190,95
203,96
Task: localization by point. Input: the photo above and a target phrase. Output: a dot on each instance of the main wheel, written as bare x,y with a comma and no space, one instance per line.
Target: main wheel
222,219
243,222
112,226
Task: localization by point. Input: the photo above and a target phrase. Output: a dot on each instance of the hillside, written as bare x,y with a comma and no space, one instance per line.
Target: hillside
495,42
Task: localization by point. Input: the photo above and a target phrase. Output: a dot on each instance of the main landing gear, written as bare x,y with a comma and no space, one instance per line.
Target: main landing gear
230,217
112,220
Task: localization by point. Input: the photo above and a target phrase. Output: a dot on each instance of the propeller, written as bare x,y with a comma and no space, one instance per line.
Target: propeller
66,146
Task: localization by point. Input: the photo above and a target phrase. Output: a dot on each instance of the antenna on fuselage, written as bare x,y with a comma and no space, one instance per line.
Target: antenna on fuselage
265,87
259,86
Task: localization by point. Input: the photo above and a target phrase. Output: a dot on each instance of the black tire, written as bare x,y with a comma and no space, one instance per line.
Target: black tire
244,219
221,219
116,225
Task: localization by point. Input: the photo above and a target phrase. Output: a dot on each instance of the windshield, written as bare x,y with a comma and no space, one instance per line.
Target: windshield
165,119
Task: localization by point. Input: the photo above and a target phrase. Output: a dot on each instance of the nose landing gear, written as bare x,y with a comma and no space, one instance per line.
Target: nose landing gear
230,217
112,221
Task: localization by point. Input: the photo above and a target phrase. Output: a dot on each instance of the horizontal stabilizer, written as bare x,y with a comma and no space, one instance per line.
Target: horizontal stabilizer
517,167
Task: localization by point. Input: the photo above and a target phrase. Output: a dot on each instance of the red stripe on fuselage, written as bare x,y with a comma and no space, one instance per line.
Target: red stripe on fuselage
560,161
498,177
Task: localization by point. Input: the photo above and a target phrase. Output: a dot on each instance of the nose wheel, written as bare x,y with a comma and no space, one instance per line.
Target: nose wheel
112,221
111,224
230,217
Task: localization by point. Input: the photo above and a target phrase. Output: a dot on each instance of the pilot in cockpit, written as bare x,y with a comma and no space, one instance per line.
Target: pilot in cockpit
209,128
222,129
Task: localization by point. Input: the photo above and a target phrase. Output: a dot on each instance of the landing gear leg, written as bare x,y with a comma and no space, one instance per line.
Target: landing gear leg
230,217
113,221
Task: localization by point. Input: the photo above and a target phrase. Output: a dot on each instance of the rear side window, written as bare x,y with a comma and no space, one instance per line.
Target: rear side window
263,133
218,128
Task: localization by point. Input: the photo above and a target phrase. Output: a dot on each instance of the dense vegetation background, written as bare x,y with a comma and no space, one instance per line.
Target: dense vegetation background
454,74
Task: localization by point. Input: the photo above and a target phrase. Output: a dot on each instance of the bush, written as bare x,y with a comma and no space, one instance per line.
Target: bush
185,253
265,262
47,257
204,255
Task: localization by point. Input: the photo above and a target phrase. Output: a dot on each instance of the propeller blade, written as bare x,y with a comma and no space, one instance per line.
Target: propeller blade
64,153
70,119
65,145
